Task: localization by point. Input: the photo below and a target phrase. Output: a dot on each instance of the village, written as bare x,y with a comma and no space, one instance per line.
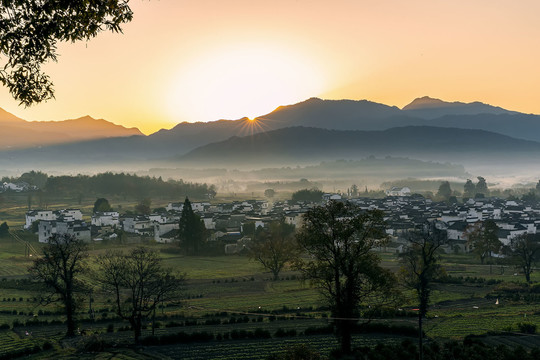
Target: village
226,222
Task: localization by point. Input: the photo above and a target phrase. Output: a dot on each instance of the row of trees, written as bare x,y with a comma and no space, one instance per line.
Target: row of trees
333,250
109,183
137,281
470,190
522,251
336,240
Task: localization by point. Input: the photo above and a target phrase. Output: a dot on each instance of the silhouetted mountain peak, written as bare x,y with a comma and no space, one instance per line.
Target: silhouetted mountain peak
430,108
426,102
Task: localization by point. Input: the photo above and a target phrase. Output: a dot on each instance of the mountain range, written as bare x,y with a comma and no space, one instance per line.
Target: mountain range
312,130
19,134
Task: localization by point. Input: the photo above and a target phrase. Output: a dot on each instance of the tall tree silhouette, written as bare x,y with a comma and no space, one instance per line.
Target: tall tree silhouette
191,230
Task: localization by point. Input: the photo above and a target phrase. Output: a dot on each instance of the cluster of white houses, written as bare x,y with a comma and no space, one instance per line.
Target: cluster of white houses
226,221
16,187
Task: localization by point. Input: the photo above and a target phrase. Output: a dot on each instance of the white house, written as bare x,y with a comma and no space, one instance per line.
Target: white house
138,225
109,218
295,218
47,228
35,215
49,215
398,191
174,206
163,231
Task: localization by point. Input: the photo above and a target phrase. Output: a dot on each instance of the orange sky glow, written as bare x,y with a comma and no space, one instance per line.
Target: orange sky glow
204,60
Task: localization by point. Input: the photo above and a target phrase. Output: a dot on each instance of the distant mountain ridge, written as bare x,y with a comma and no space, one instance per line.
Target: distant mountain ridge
19,134
431,108
315,144
352,119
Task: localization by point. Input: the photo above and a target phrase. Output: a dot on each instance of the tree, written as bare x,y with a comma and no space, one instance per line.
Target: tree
275,247
143,207
59,268
313,195
36,178
30,31
444,191
101,205
484,239
538,187
525,253
269,193
354,190
481,186
530,197
469,189
338,239
138,282
192,230
4,229
248,228
420,266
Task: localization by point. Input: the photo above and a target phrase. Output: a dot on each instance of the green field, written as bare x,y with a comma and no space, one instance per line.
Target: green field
225,287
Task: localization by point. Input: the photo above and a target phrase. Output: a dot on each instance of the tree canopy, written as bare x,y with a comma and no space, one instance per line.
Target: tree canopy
420,267
101,205
338,239
4,229
524,253
30,31
484,240
191,231
138,282
313,195
469,189
59,270
481,186
274,247
445,191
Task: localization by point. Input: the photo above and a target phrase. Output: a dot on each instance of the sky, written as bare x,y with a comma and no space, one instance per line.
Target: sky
204,60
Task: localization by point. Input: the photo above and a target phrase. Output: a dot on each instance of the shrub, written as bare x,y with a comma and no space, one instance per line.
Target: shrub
527,328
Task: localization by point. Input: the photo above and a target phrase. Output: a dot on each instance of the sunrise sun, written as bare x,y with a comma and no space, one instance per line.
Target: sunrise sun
245,80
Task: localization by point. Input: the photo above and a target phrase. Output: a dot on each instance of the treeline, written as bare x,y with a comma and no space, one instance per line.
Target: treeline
123,184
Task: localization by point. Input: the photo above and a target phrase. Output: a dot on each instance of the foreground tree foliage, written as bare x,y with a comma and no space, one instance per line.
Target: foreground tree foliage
59,270
138,282
275,247
31,29
338,239
420,267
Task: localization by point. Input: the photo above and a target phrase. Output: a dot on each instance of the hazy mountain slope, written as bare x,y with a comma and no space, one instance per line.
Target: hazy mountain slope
334,114
18,133
187,136
362,115
86,128
45,138
430,108
515,125
7,117
297,144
